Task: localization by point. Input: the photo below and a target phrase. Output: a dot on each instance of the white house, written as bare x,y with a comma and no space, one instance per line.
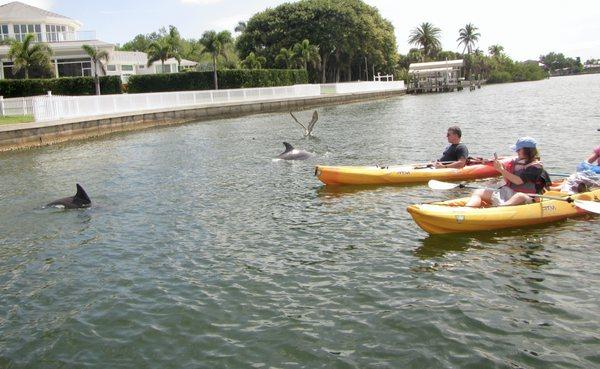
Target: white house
65,38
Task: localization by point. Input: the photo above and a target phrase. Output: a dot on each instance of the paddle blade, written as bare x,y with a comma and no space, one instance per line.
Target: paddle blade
439,185
591,206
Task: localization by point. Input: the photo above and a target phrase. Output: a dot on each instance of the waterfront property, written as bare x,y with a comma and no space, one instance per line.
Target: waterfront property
65,38
63,118
439,76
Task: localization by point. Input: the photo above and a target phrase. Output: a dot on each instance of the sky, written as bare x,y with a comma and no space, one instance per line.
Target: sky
526,28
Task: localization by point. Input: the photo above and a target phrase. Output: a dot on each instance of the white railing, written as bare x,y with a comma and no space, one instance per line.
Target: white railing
46,108
58,107
386,78
359,87
16,106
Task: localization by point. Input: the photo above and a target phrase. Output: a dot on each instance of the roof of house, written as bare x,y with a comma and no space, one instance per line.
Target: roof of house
431,70
436,65
16,11
141,58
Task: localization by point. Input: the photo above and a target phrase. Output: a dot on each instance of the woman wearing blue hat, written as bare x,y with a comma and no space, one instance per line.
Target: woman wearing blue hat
523,176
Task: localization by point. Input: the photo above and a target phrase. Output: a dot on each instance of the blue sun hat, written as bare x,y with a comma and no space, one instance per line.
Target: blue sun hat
524,142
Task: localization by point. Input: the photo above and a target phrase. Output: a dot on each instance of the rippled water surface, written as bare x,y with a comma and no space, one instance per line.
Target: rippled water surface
202,252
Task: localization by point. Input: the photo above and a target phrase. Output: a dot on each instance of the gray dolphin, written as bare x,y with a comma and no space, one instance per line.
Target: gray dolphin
293,154
80,200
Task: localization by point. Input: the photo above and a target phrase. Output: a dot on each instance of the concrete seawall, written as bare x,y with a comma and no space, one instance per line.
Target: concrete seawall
26,135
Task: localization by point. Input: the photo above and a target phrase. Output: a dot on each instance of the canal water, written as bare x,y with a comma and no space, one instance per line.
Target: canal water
200,251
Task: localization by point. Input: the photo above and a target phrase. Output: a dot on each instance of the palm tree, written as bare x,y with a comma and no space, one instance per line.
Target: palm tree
96,56
214,44
428,36
287,57
174,39
160,50
27,53
241,27
307,53
496,50
468,36
254,62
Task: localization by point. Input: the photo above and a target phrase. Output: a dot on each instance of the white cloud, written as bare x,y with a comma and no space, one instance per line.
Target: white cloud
44,4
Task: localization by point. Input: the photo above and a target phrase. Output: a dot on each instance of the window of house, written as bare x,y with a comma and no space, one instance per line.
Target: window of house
163,68
74,67
22,30
56,33
3,31
127,67
111,67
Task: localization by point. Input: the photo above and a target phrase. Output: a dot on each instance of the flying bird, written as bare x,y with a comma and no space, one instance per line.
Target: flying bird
308,129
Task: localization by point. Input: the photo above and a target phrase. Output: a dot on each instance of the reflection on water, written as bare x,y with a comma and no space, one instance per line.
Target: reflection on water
200,251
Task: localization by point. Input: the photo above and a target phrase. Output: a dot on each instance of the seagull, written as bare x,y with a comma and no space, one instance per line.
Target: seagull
311,125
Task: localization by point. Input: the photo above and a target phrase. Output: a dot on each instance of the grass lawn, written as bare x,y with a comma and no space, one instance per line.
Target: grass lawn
16,119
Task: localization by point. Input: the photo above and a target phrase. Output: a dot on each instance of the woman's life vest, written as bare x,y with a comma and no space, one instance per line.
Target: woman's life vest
535,178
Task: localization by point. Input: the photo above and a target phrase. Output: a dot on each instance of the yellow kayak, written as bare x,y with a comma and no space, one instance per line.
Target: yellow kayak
453,217
401,174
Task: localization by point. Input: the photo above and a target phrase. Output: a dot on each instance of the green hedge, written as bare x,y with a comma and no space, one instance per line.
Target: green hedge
499,77
228,78
59,86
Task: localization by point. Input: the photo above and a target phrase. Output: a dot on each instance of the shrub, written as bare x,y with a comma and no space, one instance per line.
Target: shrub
228,79
499,77
59,86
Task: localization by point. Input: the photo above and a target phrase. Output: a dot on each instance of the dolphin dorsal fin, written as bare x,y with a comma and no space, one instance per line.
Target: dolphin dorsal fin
288,147
82,196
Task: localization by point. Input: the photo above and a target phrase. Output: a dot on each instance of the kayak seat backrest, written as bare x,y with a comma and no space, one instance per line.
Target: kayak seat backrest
585,197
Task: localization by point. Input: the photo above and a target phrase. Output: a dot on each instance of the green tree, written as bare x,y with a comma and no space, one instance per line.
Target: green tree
97,56
427,36
240,27
287,57
215,44
253,62
468,37
351,36
307,53
174,40
496,51
27,54
160,50
447,55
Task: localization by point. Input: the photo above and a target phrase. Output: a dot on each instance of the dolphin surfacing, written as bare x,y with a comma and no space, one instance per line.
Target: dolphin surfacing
80,200
291,153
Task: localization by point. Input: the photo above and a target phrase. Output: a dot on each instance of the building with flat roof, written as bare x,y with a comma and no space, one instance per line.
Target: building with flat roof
65,38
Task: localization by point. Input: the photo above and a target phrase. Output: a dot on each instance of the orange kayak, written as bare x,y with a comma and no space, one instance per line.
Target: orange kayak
401,174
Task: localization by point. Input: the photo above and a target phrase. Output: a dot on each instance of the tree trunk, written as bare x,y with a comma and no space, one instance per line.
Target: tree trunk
324,68
215,72
97,84
337,66
96,79
26,72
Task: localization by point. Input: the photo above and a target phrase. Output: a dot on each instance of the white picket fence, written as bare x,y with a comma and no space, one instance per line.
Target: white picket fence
16,106
46,108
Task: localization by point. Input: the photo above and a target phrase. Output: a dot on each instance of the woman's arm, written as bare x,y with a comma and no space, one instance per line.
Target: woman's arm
593,158
506,174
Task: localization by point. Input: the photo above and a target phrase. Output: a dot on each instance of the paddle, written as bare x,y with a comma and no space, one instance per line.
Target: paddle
591,206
